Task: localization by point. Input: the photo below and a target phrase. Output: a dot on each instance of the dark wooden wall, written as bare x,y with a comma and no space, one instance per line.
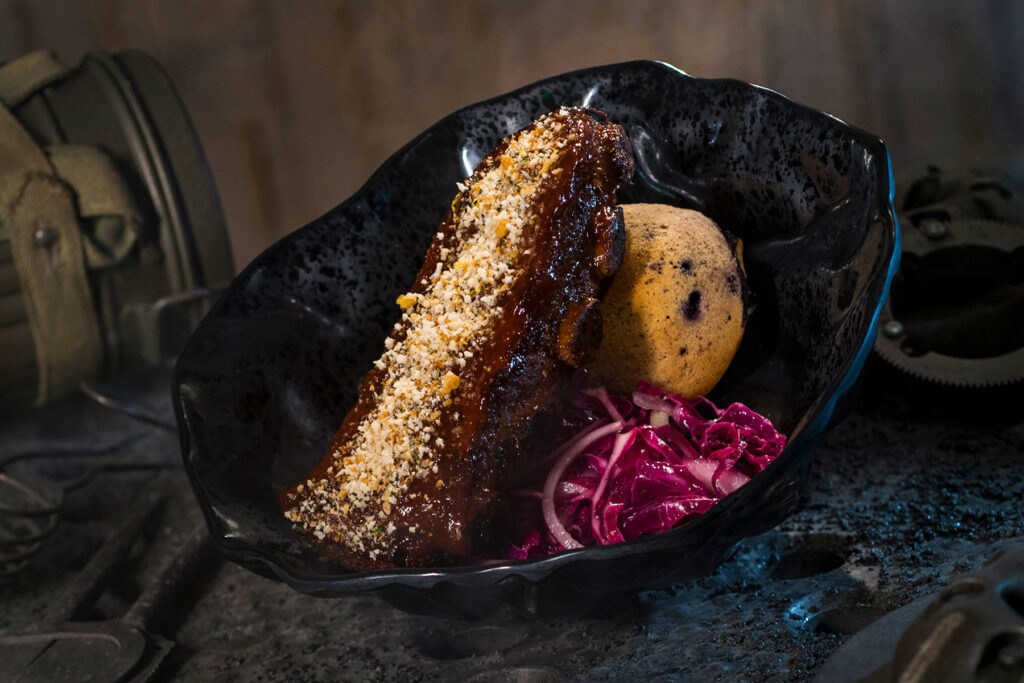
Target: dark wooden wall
297,101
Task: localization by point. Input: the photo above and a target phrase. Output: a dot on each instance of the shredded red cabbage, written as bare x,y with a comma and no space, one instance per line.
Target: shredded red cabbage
639,466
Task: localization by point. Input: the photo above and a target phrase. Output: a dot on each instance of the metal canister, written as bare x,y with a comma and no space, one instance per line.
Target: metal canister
112,239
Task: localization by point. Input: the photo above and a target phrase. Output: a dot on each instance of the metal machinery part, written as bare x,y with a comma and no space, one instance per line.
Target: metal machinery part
972,630
152,276
956,313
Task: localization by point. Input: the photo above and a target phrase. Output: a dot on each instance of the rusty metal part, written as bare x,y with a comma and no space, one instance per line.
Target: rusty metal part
116,650
954,317
972,630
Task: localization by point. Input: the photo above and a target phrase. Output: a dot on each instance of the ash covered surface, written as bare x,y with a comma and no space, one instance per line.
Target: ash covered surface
901,498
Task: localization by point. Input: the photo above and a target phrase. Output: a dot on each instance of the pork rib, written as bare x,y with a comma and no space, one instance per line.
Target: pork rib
503,309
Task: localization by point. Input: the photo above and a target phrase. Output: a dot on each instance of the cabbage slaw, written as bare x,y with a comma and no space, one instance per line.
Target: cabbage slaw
638,465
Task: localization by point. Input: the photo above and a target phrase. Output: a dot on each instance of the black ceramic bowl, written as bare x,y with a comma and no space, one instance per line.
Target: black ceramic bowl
271,371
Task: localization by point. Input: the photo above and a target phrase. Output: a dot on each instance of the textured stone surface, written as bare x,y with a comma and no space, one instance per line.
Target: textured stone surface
900,499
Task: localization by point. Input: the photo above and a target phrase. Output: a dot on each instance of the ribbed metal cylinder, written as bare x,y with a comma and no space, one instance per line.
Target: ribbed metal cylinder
147,299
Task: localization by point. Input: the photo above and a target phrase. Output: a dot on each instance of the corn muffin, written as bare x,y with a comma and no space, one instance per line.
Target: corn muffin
674,314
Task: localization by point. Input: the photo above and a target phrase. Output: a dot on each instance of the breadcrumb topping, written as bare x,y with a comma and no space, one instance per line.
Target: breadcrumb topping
397,442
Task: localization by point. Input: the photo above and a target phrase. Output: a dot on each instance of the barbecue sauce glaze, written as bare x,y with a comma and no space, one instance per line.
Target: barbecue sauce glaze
500,419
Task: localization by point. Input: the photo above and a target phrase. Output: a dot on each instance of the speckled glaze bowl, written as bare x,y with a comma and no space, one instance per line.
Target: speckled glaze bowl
267,377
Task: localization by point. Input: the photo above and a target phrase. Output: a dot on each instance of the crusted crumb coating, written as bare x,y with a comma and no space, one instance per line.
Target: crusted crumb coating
443,320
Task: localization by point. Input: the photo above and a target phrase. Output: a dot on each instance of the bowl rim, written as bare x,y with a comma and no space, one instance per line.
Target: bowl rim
804,435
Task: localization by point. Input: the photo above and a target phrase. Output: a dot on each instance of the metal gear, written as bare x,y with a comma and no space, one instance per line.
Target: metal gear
956,313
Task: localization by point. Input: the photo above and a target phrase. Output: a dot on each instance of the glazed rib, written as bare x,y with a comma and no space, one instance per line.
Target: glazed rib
504,307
